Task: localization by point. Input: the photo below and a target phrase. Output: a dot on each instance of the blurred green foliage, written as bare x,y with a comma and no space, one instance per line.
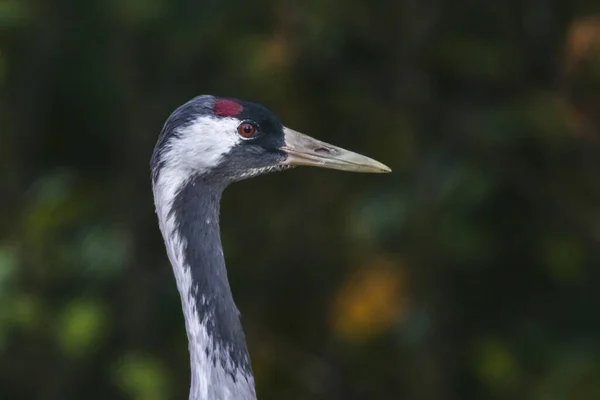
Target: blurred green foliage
471,272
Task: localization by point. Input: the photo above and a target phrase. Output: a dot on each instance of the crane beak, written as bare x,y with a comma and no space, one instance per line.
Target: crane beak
305,150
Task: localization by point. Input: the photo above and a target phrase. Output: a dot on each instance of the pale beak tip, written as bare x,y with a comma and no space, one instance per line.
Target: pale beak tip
380,168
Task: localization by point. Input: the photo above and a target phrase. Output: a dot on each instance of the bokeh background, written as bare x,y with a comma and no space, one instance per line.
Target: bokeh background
470,272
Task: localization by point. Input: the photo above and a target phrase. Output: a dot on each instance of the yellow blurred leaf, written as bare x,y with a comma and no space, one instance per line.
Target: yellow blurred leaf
370,302
583,39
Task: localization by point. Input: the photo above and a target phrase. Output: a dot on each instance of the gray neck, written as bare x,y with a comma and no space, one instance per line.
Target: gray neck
189,221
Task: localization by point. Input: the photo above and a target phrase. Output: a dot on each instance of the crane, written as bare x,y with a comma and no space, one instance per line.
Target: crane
206,144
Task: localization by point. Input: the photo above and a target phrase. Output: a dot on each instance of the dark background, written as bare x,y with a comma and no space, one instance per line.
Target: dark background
470,272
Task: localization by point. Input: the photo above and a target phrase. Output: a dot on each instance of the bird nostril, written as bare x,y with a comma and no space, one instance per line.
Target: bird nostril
322,150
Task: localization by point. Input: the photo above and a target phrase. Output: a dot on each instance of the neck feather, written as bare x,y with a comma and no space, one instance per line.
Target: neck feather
188,212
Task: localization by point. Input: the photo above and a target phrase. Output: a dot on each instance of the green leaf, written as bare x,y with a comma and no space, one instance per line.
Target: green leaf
142,377
81,326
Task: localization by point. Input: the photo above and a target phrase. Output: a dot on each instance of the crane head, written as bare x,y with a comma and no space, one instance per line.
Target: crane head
228,140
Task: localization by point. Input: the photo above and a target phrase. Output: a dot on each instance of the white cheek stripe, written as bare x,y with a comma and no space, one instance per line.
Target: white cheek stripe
200,146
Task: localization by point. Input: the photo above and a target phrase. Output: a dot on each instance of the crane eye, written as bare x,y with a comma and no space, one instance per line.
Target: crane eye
246,130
